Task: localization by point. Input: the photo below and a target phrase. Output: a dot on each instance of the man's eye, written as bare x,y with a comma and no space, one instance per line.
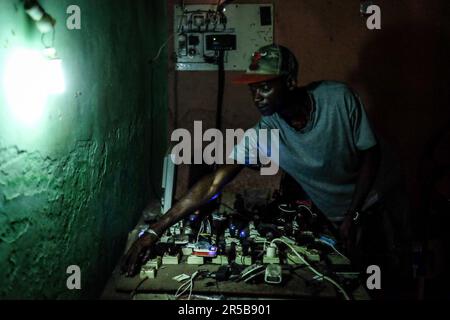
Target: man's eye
265,89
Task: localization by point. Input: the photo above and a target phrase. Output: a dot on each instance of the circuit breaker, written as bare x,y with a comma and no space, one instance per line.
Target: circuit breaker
238,29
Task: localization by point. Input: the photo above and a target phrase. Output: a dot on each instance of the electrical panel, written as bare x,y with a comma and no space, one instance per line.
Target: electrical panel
200,31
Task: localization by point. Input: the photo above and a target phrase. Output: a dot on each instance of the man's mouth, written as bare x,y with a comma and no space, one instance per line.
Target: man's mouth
265,109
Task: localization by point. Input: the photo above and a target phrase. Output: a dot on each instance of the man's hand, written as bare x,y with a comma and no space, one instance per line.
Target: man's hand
138,254
198,195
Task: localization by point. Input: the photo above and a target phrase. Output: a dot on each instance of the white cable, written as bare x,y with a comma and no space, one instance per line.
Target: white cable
208,228
285,210
307,208
200,230
337,251
188,284
320,275
204,225
170,37
162,47
334,248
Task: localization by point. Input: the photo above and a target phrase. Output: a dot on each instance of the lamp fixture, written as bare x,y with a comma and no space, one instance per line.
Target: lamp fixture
44,22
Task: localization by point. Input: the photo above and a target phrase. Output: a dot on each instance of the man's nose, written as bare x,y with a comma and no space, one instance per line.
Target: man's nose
258,96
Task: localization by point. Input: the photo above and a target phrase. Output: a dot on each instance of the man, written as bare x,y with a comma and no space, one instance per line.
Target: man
326,144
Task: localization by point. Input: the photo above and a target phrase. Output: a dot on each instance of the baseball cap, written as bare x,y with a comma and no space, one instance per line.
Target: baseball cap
269,62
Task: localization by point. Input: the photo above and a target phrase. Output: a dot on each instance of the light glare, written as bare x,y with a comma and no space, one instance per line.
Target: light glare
29,79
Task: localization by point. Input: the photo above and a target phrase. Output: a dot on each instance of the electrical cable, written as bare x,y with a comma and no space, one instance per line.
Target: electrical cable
307,208
333,247
319,275
162,47
137,287
338,252
221,87
285,210
187,285
200,230
169,37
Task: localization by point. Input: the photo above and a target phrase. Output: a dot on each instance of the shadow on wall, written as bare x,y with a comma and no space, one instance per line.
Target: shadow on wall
406,71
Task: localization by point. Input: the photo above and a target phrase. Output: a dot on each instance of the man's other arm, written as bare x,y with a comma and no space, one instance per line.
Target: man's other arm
370,160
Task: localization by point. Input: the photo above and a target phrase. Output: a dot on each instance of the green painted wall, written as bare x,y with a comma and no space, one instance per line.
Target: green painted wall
73,182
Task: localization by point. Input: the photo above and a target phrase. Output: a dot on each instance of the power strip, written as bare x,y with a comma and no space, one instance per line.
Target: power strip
147,272
273,274
311,254
243,260
171,259
271,260
195,260
293,259
186,251
220,259
154,263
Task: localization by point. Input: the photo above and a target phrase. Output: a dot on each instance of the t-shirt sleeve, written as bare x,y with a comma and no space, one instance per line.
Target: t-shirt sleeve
363,135
247,150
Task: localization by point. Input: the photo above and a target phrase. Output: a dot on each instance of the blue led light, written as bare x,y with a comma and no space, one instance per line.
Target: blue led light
214,196
242,234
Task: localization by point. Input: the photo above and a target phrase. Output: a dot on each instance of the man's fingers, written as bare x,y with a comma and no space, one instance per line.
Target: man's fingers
126,258
133,260
125,261
132,263
147,255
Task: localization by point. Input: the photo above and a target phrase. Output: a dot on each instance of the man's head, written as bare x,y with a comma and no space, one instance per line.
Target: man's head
271,75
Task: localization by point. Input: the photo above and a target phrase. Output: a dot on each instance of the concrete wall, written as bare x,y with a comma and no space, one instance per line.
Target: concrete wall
400,71
74,181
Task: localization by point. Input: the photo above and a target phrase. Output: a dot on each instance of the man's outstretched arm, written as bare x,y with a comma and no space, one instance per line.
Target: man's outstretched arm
198,195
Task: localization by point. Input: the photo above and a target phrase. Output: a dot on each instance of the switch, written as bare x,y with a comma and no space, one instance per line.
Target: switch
199,21
182,45
192,52
194,40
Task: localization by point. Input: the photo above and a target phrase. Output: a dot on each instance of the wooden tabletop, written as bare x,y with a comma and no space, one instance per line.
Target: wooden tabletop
297,284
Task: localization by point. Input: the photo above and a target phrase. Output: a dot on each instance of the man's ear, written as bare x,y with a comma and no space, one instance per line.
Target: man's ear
291,83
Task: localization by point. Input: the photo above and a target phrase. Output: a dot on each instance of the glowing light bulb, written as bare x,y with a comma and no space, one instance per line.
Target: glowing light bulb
28,79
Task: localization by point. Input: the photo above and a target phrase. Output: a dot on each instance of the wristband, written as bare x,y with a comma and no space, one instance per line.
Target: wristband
151,231
355,215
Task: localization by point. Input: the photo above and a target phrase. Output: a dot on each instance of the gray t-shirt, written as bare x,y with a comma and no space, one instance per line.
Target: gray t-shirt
322,157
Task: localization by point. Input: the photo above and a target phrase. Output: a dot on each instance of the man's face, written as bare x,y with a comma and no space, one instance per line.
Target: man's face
268,95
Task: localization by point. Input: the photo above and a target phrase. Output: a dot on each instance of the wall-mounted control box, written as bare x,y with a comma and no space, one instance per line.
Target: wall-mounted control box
239,30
